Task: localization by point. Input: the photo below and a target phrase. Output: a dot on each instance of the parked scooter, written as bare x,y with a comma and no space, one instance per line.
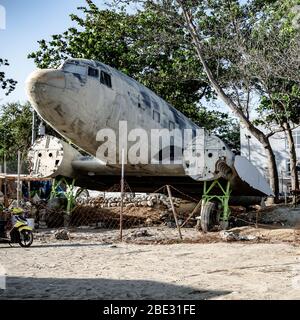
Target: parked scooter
20,232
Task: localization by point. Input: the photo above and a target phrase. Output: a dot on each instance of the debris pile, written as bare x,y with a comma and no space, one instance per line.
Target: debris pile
141,210
62,234
235,236
129,201
138,234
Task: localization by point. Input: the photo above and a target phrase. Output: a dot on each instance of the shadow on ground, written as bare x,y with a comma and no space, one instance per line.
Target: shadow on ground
102,289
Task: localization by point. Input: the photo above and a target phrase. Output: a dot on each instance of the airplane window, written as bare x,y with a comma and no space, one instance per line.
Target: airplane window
75,69
156,116
171,125
155,104
93,72
105,79
146,99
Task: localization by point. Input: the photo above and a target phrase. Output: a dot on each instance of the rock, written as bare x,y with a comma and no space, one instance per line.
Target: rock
232,236
164,215
149,203
170,224
180,222
140,233
149,222
62,234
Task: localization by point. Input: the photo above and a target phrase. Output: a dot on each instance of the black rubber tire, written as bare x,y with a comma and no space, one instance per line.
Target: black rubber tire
208,216
28,235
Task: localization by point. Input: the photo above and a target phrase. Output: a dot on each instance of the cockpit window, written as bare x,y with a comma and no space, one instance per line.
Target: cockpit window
105,79
92,72
69,67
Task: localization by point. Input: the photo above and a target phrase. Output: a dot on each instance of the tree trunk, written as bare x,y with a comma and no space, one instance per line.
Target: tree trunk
272,168
293,157
258,134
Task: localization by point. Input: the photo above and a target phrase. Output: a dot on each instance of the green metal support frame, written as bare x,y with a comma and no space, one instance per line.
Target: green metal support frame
224,198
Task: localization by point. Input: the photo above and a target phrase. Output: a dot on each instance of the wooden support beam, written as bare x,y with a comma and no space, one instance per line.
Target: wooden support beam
197,207
174,211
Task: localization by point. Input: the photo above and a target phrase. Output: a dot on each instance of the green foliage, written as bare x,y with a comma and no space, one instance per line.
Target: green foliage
70,193
6,84
280,106
222,125
279,36
15,129
253,51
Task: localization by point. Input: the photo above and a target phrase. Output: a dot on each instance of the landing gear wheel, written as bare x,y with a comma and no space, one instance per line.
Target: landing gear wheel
209,216
26,238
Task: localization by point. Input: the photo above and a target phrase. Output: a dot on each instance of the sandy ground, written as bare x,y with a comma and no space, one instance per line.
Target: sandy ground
86,268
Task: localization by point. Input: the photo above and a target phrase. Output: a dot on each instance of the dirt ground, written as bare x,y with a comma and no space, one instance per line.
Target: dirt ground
92,266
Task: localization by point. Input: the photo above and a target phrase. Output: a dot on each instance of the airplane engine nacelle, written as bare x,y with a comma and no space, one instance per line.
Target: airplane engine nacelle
207,157
51,157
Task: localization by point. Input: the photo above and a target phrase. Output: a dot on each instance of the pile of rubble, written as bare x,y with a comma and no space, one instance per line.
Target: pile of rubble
139,210
129,201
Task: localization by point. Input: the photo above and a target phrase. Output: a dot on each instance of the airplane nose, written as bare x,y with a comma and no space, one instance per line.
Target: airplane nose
39,80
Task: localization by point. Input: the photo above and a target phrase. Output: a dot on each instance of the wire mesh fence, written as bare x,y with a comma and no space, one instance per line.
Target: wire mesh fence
147,217
156,217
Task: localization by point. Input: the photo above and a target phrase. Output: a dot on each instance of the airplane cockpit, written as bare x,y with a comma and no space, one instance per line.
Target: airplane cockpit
87,68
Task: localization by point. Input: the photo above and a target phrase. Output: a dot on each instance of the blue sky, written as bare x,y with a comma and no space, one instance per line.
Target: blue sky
28,21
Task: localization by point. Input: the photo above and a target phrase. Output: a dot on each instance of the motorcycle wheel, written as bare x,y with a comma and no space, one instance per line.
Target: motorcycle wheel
26,238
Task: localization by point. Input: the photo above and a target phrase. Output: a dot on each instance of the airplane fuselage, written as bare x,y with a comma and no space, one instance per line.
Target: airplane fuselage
82,97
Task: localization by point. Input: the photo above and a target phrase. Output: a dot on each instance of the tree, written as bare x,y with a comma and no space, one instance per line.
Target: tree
149,47
280,109
5,83
232,12
15,131
274,60
223,33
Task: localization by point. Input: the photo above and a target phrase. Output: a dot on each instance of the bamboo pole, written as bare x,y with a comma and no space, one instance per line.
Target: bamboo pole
197,207
29,190
174,211
19,181
5,183
122,196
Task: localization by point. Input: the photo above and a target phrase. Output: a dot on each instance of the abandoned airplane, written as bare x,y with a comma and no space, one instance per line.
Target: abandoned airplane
86,101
